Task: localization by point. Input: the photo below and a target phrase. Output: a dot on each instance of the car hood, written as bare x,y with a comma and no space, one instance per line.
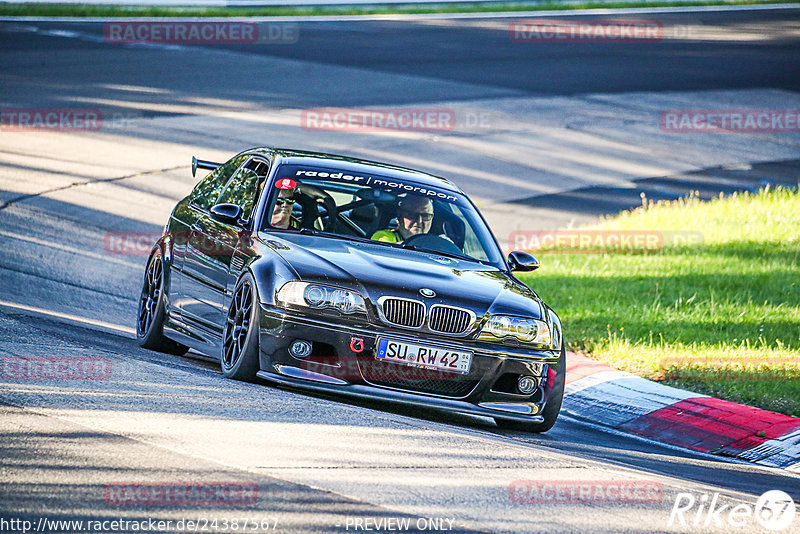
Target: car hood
376,270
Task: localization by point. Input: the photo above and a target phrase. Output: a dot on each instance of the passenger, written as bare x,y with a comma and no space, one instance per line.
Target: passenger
414,217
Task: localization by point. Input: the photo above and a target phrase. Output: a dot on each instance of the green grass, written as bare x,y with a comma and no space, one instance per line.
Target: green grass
110,11
720,317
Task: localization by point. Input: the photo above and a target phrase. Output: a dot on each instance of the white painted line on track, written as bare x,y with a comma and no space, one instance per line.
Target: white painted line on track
428,16
60,246
68,317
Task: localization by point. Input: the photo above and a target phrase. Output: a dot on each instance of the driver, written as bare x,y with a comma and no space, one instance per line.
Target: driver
282,211
414,217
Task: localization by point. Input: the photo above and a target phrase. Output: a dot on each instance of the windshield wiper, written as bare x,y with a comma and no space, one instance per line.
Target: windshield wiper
333,235
439,252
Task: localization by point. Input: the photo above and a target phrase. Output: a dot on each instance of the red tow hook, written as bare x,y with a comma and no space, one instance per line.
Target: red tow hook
357,344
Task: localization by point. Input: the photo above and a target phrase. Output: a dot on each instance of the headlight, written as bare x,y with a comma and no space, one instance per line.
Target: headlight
320,297
557,335
524,329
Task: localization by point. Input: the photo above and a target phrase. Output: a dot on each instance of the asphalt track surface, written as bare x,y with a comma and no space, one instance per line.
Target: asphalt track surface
319,463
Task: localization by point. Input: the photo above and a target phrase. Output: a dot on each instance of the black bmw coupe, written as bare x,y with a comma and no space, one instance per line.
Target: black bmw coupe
353,277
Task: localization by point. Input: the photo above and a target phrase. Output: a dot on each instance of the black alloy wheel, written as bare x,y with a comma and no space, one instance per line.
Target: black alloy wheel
151,314
239,357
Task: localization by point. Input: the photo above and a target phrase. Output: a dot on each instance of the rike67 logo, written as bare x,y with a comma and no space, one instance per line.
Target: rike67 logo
773,511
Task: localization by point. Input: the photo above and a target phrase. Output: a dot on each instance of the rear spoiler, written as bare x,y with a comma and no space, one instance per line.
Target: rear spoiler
201,164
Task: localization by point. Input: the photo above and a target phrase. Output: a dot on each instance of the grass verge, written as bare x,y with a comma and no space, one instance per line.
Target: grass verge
112,11
717,315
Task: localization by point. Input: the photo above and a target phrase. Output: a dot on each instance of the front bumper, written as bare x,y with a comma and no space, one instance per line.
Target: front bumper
337,365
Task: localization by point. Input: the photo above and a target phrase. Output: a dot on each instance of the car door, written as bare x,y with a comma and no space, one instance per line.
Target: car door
186,215
199,299
233,241
210,250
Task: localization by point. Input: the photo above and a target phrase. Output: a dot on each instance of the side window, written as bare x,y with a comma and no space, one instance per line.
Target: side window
242,189
285,206
205,193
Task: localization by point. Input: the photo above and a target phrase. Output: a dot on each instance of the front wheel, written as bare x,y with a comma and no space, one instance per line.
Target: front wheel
551,408
151,314
239,358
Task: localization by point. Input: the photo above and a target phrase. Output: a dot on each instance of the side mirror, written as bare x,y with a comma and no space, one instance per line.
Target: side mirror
522,261
227,214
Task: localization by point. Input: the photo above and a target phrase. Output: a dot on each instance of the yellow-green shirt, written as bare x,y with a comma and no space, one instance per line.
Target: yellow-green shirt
387,236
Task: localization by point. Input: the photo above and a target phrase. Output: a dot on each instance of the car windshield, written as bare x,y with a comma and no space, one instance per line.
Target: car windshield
366,206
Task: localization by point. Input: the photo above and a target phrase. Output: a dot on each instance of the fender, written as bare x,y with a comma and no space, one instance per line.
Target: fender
270,272
164,245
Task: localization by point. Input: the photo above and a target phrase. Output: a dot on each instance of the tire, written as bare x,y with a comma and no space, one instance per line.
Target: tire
151,314
551,408
239,357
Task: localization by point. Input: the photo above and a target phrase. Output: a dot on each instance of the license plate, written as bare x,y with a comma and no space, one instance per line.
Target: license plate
424,356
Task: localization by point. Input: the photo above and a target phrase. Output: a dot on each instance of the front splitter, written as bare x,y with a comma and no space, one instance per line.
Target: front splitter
511,411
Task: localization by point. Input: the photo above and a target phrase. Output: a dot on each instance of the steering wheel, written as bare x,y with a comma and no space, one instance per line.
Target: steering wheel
318,196
433,243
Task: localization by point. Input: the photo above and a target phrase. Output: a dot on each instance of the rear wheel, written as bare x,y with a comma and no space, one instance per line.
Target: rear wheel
239,357
551,408
150,317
